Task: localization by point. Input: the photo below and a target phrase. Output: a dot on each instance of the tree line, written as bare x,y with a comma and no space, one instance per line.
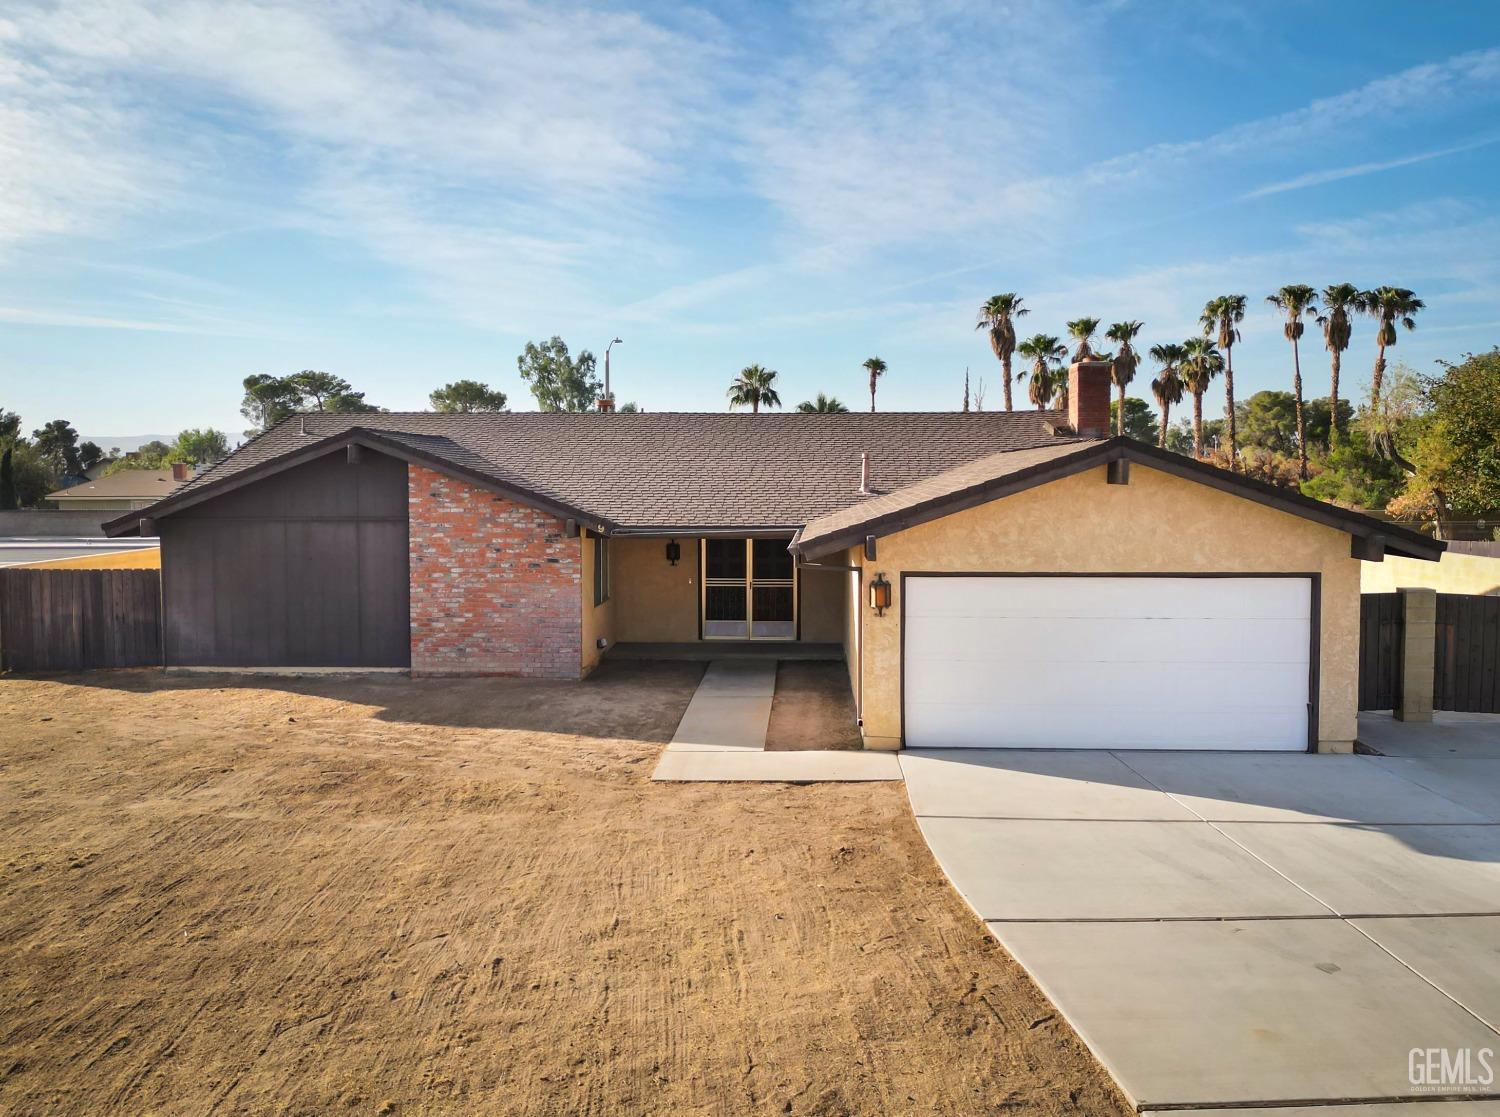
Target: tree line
54,457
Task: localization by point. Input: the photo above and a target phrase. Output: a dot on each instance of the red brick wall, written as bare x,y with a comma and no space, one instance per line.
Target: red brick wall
1089,387
495,585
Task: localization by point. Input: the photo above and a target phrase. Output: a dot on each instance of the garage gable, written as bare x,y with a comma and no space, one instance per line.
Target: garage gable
1007,473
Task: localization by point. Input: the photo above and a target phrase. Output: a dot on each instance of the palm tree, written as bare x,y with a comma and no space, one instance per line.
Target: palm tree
754,386
1082,330
823,405
1339,301
1198,362
998,315
1167,388
1045,353
876,368
1296,301
1122,367
1221,318
1388,306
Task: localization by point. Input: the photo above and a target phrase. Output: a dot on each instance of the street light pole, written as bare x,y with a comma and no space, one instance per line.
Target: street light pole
607,348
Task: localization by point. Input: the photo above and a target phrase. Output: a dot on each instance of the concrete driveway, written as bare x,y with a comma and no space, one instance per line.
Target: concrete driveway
1230,931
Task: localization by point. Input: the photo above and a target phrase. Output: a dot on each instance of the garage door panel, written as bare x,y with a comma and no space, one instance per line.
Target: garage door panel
1108,597
1109,662
1060,640
1143,727
1062,684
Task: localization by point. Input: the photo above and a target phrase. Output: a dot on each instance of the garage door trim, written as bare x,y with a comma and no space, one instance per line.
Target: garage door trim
1314,622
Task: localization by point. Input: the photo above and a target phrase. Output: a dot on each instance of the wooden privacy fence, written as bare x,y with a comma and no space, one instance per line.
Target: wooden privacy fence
71,620
1467,661
1379,650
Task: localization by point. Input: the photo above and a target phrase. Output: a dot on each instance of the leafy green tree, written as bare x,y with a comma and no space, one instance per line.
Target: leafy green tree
8,498
754,387
559,381
1389,306
1045,352
1082,331
10,427
828,405
57,443
1122,368
1200,362
876,368
1221,320
997,316
1457,452
1340,301
1138,422
1351,474
156,449
466,396
631,408
268,400
200,447
90,454
323,391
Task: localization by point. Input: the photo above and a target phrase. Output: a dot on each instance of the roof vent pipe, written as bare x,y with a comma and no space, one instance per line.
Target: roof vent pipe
301,424
864,474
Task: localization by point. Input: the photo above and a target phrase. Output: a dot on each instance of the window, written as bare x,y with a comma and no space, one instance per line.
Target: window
601,570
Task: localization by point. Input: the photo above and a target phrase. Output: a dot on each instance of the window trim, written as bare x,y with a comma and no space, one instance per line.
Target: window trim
601,570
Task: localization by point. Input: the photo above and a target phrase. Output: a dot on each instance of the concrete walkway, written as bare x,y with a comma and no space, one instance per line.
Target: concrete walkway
1447,735
1229,931
722,737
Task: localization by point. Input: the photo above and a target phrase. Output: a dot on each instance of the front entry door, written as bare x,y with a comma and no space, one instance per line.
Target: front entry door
749,590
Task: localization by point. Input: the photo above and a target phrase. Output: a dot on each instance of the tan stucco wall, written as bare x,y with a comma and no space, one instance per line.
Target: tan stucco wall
655,602
1156,524
1453,574
597,622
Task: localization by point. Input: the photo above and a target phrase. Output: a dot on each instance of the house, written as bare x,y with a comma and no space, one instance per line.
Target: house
124,490
1005,579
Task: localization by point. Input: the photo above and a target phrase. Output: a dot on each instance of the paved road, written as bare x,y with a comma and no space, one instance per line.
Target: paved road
1231,930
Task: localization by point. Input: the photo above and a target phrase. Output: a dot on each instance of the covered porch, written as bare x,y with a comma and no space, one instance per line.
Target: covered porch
712,596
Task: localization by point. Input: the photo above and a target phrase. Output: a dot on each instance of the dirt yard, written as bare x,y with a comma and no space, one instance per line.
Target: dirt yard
253,896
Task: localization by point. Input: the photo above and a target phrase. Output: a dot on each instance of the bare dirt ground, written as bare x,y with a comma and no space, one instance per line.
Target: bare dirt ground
387,896
813,707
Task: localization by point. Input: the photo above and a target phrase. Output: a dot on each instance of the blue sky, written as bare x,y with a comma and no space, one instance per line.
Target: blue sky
404,194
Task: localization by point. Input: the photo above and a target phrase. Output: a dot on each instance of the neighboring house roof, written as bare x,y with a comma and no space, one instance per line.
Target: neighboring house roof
655,470
127,484
1001,474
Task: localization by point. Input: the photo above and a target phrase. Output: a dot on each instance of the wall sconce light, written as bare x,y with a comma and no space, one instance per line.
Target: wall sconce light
674,552
880,595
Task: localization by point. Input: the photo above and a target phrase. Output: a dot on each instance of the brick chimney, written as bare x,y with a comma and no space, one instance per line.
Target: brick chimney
1089,388
181,471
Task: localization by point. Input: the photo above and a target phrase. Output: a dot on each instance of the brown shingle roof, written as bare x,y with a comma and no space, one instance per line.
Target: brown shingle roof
132,484
667,470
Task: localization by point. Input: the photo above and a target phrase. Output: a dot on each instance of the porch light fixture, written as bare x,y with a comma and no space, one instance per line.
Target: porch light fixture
674,551
880,595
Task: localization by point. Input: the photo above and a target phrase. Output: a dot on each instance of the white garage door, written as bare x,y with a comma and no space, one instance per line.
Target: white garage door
1132,663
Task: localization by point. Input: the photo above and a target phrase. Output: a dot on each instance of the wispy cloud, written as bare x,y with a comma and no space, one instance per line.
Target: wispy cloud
1319,178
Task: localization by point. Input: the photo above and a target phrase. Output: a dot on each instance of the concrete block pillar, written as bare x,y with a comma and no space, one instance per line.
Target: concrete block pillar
1418,651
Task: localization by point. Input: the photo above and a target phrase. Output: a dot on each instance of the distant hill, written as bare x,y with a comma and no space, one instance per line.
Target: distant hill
106,442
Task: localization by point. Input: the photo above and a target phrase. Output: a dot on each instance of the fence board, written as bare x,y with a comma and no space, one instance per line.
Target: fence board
73,620
1379,650
1468,654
